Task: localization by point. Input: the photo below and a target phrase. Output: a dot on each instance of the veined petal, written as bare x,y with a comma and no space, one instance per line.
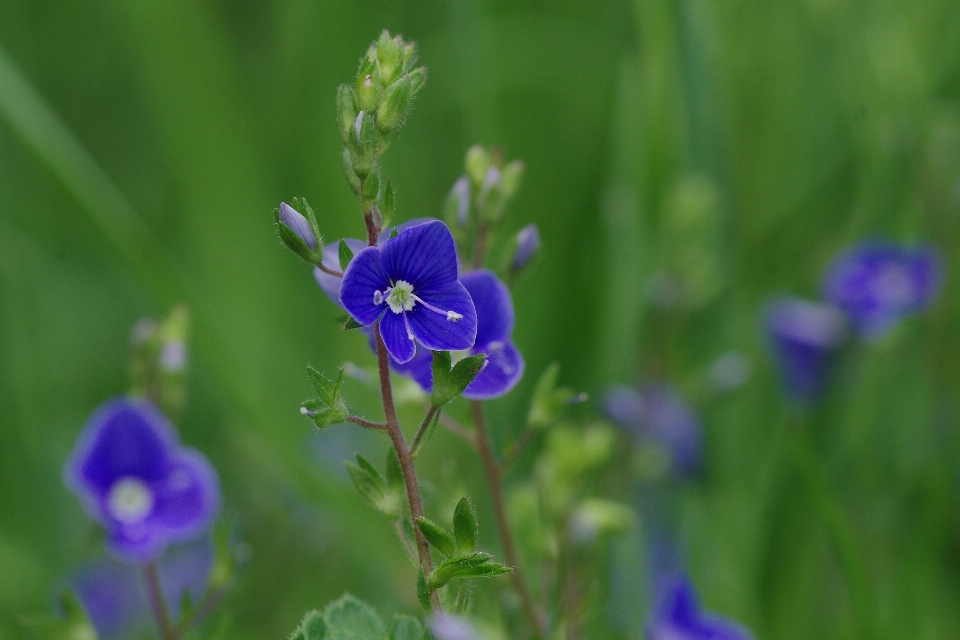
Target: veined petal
434,331
331,260
423,255
362,279
494,307
393,330
503,370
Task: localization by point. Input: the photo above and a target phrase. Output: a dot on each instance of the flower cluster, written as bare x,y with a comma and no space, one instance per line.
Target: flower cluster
135,478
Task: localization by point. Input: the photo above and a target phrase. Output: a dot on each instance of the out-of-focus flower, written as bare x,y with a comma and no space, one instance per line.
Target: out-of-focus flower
729,371
678,616
528,242
658,414
411,286
451,627
113,596
804,337
876,283
133,476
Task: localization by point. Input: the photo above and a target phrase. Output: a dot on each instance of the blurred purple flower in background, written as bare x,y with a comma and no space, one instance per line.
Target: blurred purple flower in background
113,595
411,286
876,283
677,615
528,242
804,337
658,413
133,476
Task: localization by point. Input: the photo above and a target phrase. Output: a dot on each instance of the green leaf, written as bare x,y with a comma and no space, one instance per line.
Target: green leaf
346,255
449,383
423,592
74,626
549,400
437,536
389,203
371,486
312,627
406,628
224,561
476,565
350,618
465,527
395,481
329,408
350,323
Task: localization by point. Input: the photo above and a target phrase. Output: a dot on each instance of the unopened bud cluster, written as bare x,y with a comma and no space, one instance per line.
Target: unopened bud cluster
371,113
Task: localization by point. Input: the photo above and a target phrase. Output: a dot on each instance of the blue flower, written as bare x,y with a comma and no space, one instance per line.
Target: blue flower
298,224
410,284
876,283
678,616
134,477
528,242
804,337
495,319
658,414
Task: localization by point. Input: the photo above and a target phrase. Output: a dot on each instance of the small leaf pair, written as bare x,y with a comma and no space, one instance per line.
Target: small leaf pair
385,495
549,400
449,382
329,407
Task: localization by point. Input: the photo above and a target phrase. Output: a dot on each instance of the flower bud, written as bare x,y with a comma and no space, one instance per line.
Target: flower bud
512,176
527,244
457,208
371,191
293,220
393,106
477,163
491,198
389,56
418,77
299,232
348,173
346,111
367,138
368,85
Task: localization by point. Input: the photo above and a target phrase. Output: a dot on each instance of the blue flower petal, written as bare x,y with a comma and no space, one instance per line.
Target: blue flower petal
189,499
393,330
503,370
433,330
362,279
678,615
423,255
419,368
804,337
331,260
491,298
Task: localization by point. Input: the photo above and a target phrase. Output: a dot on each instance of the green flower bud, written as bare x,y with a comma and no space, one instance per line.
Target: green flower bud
346,111
348,173
366,138
418,77
512,175
389,56
477,163
299,232
371,191
410,56
393,106
368,85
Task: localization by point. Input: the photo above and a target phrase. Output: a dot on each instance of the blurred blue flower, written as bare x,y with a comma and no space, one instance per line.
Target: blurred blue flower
528,242
677,615
876,283
410,284
133,476
113,595
804,337
658,413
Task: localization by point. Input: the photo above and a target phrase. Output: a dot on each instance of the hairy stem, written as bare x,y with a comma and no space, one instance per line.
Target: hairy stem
406,461
151,579
379,426
492,472
333,272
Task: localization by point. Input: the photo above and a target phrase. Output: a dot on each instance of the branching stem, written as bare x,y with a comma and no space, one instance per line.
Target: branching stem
424,426
379,426
492,472
332,272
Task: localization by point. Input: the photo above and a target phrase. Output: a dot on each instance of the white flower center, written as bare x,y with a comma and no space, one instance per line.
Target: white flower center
400,297
130,500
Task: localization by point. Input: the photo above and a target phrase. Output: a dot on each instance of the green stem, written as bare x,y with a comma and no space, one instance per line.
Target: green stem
151,579
422,431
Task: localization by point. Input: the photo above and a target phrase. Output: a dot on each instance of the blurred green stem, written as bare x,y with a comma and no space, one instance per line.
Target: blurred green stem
151,580
839,528
494,480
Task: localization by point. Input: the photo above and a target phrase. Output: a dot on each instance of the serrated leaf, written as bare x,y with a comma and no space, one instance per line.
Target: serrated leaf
389,202
329,408
465,527
449,383
345,254
350,618
423,592
437,536
372,487
350,323
312,627
406,628
476,565
549,401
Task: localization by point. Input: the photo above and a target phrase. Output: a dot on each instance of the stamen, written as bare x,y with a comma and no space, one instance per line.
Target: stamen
377,297
452,316
307,412
406,323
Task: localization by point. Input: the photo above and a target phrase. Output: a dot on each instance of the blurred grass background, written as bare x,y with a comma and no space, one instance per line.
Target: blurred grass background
737,144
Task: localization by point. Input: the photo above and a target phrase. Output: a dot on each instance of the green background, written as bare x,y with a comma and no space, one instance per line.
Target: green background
739,144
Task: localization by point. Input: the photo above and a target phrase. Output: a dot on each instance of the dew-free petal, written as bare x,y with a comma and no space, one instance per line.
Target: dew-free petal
503,370
331,260
423,255
495,317
188,500
396,338
363,279
438,331
804,337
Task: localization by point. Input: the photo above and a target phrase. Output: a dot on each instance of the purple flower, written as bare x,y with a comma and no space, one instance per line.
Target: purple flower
658,413
876,283
678,616
113,595
495,320
298,224
804,337
133,476
528,241
410,285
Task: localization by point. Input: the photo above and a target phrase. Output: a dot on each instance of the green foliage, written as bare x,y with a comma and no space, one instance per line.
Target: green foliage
313,627
465,528
73,626
407,628
437,536
329,407
345,254
350,618
449,383
475,565
371,485
549,401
